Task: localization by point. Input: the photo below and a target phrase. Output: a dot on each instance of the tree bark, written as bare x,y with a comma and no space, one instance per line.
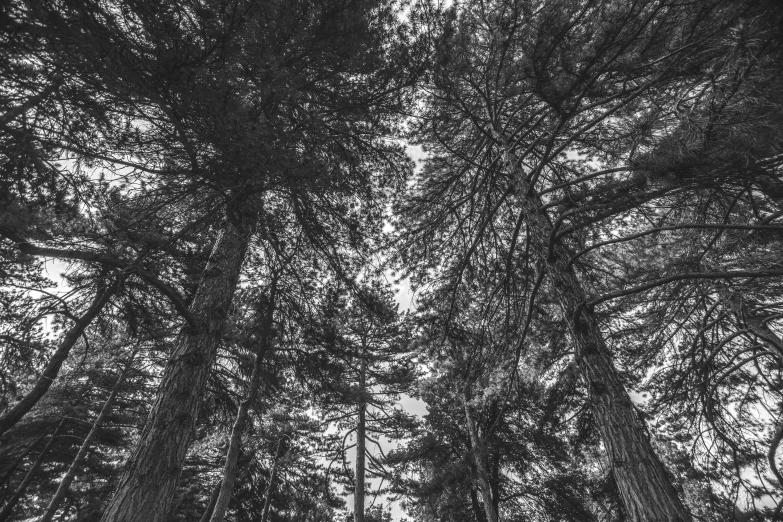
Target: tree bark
10,504
212,501
147,487
361,442
66,481
232,455
272,478
6,476
477,512
49,374
482,473
644,484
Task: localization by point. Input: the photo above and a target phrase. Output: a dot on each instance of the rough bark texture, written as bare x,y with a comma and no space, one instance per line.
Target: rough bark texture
49,374
147,487
10,504
361,425
67,479
645,486
232,455
482,473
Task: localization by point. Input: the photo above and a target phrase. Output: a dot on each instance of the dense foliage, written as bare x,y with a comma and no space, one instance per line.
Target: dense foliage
204,206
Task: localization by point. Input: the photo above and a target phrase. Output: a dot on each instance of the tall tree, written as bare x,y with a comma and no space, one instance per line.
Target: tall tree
228,109
372,354
520,93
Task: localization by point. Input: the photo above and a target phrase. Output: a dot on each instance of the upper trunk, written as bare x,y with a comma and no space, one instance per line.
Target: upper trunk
232,455
11,502
271,484
358,500
645,487
147,487
66,481
483,481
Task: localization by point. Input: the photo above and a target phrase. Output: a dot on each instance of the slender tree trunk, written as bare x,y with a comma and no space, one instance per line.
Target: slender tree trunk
49,374
12,469
147,487
212,501
270,485
361,441
5,513
232,455
644,484
495,481
66,481
477,512
480,461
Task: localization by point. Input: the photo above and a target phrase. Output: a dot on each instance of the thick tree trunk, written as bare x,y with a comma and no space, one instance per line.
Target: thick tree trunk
480,461
10,504
645,486
65,483
232,455
147,487
270,485
361,425
49,374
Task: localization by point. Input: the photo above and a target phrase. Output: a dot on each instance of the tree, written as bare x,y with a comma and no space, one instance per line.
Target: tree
234,120
516,88
369,350
492,445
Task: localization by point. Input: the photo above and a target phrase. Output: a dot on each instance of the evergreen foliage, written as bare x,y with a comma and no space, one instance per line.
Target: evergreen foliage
202,203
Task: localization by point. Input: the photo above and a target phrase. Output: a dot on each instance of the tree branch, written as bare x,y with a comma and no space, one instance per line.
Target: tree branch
176,299
688,275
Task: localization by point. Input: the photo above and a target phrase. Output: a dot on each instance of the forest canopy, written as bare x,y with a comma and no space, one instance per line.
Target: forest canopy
210,209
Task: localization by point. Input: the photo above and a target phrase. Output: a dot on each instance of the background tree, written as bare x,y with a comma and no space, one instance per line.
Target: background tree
367,341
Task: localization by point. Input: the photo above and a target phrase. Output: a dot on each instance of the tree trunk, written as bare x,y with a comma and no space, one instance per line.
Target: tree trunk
5,513
477,513
211,506
272,477
147,487
482,473
49,374
644,484
232,455
5,478
361,425
66,481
